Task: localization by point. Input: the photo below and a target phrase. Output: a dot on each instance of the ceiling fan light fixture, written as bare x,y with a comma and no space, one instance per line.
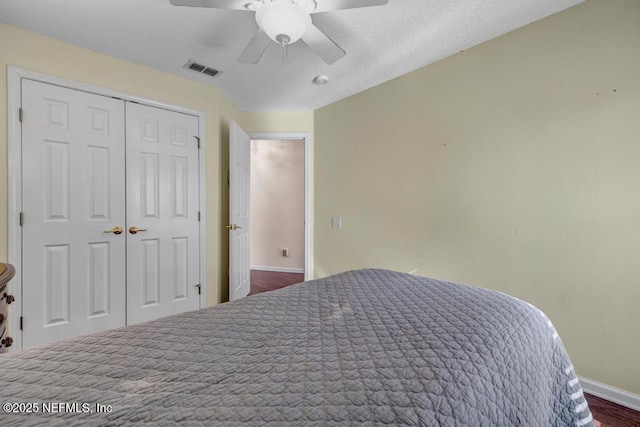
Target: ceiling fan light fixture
281,20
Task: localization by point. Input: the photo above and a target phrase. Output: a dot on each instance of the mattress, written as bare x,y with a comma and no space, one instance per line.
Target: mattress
369,347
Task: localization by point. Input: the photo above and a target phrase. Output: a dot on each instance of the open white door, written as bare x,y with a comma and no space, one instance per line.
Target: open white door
73,266
239,185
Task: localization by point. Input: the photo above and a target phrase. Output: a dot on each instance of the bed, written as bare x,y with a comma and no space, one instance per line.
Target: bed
368,347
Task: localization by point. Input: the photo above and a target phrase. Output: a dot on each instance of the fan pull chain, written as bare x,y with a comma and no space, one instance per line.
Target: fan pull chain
284,40
285,51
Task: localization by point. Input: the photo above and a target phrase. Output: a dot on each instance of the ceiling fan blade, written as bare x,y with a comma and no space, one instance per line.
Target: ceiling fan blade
322,44
216,4
255,48
328,5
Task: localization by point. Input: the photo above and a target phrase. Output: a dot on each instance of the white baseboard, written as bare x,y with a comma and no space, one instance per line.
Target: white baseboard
610,393
278,269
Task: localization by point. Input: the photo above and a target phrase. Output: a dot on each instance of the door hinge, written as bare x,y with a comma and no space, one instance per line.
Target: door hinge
21,219
198,216
199,289
20,114
21,320
197,139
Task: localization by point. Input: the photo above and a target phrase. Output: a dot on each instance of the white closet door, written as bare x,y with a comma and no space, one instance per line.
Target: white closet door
163,259
73,273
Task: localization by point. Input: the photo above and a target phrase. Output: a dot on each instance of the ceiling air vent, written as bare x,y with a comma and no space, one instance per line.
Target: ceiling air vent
210,72
193,65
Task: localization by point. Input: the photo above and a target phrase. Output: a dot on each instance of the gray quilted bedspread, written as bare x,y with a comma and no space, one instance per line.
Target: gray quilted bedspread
367,347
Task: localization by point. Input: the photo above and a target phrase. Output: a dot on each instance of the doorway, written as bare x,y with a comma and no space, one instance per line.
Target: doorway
277,213
240,211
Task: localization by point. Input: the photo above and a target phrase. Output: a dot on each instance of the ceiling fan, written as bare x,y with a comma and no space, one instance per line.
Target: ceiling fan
285,22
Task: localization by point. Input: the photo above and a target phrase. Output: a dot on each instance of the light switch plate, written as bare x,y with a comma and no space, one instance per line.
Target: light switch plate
336,222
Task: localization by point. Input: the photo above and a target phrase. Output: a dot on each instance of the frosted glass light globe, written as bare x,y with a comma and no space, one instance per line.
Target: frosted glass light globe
283,21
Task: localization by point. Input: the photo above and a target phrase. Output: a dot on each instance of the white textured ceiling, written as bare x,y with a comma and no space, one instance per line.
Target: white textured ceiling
381,42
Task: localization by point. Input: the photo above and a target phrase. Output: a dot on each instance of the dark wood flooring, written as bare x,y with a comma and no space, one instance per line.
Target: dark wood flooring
609,414
264,281
605,413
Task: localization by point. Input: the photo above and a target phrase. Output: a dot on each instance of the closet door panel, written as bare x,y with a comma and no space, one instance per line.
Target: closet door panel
162,205
73,269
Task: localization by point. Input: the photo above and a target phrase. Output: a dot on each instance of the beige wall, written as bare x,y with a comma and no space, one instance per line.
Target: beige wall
514,165
277,203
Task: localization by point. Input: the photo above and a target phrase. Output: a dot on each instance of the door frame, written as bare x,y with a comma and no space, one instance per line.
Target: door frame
306,137
14,143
